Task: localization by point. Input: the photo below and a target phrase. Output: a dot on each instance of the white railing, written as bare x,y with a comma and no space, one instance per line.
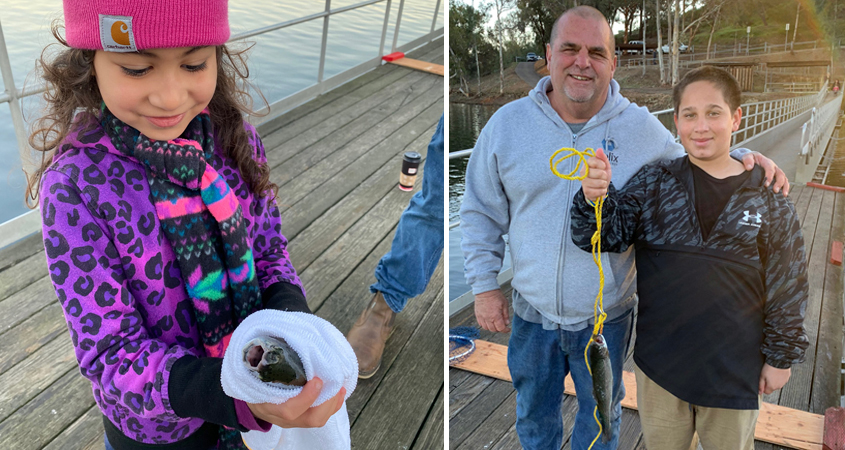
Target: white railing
814,132
13,96
696,55
757,118
793,87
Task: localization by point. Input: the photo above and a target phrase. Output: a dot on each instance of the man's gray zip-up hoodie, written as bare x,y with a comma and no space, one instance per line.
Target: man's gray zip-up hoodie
510,189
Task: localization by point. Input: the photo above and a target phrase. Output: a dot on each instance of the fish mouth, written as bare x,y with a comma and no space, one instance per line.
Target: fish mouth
272,360
254,356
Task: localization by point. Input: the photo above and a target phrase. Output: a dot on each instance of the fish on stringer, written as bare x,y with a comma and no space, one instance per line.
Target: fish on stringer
600,369
274,361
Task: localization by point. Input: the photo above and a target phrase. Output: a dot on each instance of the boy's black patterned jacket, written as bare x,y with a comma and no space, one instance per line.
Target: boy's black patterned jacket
712,311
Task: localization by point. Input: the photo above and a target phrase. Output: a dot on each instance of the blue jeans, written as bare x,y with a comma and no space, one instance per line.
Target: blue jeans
539,360
405,270
108,445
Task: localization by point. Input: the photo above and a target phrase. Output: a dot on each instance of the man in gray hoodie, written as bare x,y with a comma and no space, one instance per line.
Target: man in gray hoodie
511,190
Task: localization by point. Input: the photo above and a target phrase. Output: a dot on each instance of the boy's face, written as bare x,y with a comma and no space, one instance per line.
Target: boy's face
157,91
705,121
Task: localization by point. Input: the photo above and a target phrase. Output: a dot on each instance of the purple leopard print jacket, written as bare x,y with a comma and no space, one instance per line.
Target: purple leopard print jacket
119,283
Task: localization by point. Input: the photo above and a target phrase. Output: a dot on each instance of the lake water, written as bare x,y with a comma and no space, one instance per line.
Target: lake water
281,63
465,123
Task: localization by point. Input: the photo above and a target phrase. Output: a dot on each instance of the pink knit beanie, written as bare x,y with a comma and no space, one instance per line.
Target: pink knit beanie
132,25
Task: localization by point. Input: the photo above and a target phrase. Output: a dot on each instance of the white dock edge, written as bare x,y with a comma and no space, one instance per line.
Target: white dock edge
20,227
464,300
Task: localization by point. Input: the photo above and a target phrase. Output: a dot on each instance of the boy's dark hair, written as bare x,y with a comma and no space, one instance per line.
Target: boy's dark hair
723,81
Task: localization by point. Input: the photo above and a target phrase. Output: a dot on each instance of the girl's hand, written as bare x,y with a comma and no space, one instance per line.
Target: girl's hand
297,412
598,177
772,379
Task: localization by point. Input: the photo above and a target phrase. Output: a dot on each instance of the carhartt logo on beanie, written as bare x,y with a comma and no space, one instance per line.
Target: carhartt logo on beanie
133,25
116,34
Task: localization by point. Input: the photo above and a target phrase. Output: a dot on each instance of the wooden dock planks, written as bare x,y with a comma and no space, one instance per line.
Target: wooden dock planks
776,424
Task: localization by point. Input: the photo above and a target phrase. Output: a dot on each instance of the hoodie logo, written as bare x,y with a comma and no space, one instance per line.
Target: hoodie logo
609,145
116,34
753,220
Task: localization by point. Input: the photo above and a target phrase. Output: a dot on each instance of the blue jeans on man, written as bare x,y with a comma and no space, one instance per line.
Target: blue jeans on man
405,270
540,359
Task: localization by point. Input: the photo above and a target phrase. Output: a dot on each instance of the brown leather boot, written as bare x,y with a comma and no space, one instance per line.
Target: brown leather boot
369,334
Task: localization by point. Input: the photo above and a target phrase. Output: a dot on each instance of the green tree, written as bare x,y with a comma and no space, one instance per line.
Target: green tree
538,16
471,55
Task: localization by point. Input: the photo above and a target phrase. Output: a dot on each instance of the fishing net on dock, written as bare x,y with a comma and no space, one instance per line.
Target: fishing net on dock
461,343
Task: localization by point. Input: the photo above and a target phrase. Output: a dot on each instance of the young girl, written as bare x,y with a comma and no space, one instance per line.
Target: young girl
159,220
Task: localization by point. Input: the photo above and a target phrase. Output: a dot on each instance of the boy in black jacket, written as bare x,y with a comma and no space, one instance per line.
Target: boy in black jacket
721,275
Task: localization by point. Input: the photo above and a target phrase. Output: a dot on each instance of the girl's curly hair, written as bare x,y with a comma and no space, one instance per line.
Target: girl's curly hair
72,88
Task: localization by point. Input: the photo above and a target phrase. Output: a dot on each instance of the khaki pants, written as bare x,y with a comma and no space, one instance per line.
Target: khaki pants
669,423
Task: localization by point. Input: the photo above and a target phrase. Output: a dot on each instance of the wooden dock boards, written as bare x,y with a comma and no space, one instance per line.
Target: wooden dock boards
776,424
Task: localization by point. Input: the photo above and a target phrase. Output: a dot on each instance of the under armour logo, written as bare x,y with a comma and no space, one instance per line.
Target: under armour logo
751,219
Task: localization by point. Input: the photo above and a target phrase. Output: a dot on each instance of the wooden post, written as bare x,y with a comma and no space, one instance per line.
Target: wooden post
834,429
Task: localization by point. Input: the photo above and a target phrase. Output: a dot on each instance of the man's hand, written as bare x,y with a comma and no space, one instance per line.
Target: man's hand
772,379
771,169
598,177
491,311
297,412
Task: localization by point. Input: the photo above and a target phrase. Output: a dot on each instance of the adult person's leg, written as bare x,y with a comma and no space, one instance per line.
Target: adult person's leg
405,270
538,367
108,444
617,335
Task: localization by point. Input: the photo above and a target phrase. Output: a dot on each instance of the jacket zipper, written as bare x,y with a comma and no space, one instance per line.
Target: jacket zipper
561,266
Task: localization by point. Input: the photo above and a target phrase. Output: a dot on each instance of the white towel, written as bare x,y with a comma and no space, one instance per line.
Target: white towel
325,353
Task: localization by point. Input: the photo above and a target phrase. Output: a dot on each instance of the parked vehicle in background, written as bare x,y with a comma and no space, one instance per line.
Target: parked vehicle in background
681,48
531,57
638,44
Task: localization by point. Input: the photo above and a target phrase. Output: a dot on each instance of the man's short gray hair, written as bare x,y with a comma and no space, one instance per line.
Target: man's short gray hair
586,12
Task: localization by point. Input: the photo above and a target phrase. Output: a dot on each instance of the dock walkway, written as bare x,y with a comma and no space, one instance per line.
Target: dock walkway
336,160
482,410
